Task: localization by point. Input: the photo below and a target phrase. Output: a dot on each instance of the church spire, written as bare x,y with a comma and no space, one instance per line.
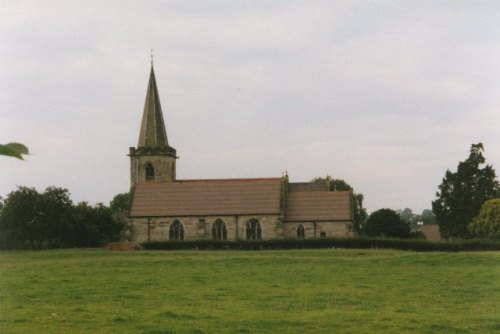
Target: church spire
153,160
153,133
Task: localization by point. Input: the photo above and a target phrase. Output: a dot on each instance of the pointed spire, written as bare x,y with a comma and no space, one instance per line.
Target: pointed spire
153,133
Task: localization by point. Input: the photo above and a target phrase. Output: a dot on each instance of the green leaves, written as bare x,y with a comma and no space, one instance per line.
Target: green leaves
15,150
487,223
462,193
387,223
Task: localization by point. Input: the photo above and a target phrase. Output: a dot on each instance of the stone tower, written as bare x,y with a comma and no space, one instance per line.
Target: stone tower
153,160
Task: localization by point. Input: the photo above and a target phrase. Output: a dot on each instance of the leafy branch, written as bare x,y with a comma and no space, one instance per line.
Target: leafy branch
15,150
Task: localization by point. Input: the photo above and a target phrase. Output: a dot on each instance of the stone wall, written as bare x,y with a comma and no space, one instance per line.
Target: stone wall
200,228
164,166
315,229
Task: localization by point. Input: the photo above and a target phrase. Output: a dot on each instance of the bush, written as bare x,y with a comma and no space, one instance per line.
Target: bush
363,243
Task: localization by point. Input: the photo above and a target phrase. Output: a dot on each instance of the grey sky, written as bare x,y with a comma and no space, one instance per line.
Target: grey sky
384,94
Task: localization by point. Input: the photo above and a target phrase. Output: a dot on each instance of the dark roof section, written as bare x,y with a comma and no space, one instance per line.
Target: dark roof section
318,206
207,197
153,133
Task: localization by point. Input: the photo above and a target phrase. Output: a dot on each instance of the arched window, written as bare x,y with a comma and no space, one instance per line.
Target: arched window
150,172
176,231
301,233
219,230
254,231
322,234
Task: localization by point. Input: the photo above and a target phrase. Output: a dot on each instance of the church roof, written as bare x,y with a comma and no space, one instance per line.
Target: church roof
318,206
207,197
153,133
224,197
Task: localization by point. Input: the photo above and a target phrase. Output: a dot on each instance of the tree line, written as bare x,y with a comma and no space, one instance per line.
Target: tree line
49,219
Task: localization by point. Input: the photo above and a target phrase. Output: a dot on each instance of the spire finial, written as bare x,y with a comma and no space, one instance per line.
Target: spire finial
152,50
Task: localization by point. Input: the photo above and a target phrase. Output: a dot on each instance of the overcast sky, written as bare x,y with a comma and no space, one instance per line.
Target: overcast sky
386,95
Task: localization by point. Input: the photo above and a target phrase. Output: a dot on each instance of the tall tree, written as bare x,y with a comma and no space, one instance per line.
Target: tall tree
462,193
359,212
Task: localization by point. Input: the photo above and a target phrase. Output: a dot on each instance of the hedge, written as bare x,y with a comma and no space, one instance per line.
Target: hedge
361,242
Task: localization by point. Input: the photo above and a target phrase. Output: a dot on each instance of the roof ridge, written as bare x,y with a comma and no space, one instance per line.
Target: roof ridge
229,179
319,191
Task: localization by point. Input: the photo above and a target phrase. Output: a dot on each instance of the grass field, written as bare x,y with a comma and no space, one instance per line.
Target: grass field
306,291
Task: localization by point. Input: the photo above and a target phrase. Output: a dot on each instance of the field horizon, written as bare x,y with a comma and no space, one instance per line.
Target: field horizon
285,291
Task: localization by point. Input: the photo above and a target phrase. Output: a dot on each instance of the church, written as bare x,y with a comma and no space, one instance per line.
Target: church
165,208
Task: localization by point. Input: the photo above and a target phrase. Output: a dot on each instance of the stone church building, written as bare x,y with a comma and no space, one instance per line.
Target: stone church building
165,208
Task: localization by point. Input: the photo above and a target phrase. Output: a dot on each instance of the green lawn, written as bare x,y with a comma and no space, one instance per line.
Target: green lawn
301,291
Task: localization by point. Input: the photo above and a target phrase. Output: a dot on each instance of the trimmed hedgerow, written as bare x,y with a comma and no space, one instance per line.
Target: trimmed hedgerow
401,244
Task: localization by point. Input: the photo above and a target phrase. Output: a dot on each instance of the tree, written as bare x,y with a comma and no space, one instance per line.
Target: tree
410,218
406,215
15,150
35,218
359,212
120,203
55,208
462,193
50,220
487,223
21,218
386,223
428,217
93,225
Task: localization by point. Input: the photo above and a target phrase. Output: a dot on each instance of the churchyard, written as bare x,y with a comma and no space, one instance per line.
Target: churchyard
288,291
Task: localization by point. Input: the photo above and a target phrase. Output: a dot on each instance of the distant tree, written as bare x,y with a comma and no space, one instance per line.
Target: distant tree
461,194
359,212
15,150
487,223
406,215
409,217
428,217
120,203
387,223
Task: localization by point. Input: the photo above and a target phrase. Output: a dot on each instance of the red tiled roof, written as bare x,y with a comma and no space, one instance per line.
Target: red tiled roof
318,206
207,197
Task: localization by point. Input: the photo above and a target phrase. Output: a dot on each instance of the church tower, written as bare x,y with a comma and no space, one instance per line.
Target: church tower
153,160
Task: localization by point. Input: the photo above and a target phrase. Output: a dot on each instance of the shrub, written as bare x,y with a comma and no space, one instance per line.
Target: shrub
401,244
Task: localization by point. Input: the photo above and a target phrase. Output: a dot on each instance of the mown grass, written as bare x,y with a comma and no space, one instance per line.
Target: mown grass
292,291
